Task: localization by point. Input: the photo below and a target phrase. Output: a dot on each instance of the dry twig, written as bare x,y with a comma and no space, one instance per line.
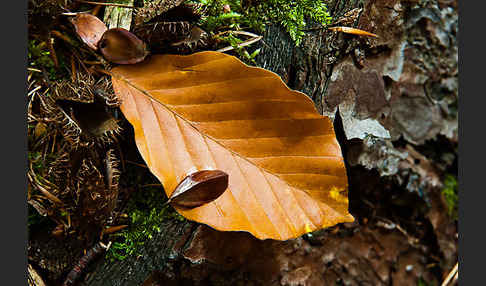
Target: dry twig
32,177
453,274
245,43
113,229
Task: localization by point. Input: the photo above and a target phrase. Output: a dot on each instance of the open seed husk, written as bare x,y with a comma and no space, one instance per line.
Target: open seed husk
84,109
119,46
89,28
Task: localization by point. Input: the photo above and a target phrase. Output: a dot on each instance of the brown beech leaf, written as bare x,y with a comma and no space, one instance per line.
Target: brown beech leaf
211,111
199,188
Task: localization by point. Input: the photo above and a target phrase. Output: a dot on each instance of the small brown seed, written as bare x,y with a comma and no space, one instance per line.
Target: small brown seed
199,188
122,47
89,28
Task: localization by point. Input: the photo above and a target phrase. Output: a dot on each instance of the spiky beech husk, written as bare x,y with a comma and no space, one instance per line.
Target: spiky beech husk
154,8
47,8
196,39
172,37
190,12
87,179
89,191
82,108
96,191
112,178
162,34
60,172
81,173
173,26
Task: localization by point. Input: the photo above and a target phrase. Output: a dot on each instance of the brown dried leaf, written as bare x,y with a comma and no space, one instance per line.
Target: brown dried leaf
210,111
199,188
40,129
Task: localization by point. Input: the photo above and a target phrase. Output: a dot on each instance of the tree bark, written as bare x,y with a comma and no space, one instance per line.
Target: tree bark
389,97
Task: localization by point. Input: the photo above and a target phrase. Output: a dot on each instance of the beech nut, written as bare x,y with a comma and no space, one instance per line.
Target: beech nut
122,47
199,188
89,28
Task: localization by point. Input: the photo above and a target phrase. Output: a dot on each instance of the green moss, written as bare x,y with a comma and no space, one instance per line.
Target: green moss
450,194
234,41
291,14
422,282
36,159
40,164
39,57
34,219
146,212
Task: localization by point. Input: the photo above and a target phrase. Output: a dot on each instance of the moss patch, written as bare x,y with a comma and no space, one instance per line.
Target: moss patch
146,212
450,194
255,15
39,57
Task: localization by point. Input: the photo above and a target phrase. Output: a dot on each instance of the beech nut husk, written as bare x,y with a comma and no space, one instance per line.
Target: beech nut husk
119,46
89,28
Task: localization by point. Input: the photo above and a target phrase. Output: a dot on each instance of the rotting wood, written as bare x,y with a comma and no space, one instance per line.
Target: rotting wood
119,17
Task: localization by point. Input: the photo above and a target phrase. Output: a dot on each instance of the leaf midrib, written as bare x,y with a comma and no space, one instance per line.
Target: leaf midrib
207,136
195,127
